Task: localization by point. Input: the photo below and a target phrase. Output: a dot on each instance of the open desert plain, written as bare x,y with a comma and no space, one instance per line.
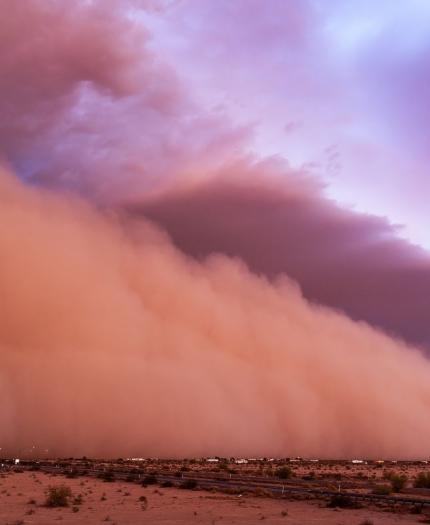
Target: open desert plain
169,492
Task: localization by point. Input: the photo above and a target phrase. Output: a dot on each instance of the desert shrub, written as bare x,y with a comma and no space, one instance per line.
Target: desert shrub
262,493
108,476
77,500
382,490
166,484
422,480
398,482
231,490
342,501
130,478
150,479
58,496
284,473
387,474
189,484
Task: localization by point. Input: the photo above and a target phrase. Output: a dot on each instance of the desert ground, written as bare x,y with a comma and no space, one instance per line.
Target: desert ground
23,497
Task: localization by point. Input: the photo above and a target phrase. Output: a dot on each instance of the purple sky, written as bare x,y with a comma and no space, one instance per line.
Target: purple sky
339,86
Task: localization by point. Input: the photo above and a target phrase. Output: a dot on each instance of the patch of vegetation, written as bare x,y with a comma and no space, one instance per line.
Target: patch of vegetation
262,493
342,501
398,482
382,490
284,473
150,479
422,481
166,484
77,500
58,496
108,476
231,490
189,484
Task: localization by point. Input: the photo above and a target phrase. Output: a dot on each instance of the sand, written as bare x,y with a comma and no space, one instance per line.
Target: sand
119,503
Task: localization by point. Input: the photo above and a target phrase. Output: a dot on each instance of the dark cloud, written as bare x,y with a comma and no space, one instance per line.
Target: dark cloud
279,221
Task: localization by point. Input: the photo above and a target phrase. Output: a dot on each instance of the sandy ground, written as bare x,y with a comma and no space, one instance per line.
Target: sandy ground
22,497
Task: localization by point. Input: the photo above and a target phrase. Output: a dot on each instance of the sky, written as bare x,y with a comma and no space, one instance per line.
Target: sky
338,86
217,203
